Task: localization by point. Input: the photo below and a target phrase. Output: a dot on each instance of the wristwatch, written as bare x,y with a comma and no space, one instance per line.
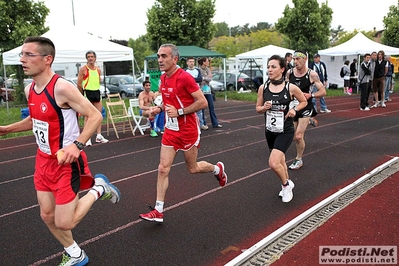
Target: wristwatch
312,95
78,144
180,111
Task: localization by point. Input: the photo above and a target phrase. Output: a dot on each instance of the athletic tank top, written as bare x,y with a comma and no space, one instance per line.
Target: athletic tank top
91,81
302,82
53,127
280,107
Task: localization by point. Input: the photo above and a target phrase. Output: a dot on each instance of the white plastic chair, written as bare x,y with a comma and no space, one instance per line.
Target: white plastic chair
134,111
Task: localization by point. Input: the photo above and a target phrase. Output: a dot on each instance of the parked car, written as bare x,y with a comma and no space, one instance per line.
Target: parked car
9,91
216,85
256,75
243,81
74,81
123,84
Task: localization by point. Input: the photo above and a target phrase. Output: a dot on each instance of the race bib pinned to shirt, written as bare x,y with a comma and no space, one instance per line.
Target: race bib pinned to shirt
275,121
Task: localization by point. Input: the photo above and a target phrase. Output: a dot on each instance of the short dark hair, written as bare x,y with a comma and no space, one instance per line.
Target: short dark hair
46,46
91,52
145,82
288,54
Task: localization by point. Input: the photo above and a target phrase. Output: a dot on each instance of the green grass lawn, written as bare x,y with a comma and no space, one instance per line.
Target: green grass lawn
13,114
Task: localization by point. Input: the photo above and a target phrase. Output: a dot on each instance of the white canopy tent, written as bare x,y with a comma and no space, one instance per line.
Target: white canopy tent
71,45
263,53
355,47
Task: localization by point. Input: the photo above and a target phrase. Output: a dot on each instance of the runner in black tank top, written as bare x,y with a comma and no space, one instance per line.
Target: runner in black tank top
274,100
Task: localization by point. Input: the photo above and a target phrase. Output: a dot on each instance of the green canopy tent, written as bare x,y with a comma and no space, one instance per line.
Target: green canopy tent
186,51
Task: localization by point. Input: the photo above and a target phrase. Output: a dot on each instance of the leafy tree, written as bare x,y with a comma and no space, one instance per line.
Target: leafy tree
222,29
182,22
231,46
261,26
141,48
18,20
335,34
306,25
391,24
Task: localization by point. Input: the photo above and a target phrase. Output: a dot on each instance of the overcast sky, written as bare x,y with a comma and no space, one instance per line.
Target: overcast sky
124,19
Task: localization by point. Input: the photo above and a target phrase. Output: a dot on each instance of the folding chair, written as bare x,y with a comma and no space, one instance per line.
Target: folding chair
117,114
134,110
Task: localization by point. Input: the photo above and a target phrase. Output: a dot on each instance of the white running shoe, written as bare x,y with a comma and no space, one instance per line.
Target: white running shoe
68,260
287,191
296,164
88,143
325,111
111,192
101,139
376,104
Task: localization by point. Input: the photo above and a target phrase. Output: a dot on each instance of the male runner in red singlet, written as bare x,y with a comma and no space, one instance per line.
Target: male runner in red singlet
182,98
54,104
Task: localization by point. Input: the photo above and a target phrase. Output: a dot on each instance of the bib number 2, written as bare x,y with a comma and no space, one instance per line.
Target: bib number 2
275,121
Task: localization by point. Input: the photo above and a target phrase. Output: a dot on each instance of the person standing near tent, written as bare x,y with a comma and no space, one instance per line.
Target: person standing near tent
288,59
373,59
364,79
353,76
320,68
89,79
61,168
181,100
206,89
347,72
380,70
388,79
196,73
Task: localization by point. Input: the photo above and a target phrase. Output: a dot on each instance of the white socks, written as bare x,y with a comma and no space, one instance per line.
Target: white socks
159,206
97,191
73,250
217,170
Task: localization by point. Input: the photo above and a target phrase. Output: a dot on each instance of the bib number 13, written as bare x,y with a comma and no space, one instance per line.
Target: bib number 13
40,130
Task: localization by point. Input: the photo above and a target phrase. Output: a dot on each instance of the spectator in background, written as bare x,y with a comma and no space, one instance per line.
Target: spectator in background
380,70
206,89
353,76
364,77
347,73
89,79
373,58
321,69
196,73
288,59
146,100
388,79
